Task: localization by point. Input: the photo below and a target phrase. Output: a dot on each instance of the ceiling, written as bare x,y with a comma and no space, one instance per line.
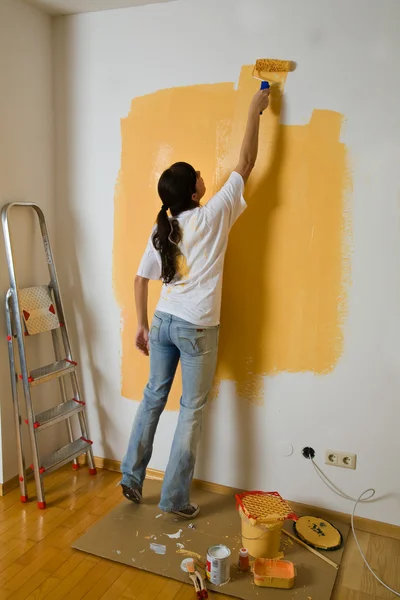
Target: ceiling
71,7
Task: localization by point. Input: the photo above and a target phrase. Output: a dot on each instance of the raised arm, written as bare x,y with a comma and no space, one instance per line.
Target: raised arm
249,149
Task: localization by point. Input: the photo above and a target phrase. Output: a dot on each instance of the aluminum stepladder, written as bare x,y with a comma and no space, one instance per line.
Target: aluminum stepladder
64,367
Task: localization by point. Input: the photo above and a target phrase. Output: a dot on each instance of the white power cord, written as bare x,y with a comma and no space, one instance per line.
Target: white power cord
361,498
333,487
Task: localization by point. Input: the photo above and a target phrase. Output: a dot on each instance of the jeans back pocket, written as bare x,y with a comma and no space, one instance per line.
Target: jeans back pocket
155,329
196,341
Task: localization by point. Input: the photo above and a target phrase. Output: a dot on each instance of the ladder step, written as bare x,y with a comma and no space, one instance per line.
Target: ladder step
58,413
64,455
57,369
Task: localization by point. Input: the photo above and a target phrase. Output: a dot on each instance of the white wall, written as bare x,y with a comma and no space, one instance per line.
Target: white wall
27,174
347,54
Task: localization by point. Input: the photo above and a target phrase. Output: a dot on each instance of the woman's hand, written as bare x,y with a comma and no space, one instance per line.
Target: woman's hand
260,101
142,340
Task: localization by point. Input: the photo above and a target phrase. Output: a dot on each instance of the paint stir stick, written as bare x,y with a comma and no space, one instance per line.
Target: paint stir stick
301,543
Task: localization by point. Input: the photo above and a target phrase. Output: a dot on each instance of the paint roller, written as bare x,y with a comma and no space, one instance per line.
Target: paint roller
265,66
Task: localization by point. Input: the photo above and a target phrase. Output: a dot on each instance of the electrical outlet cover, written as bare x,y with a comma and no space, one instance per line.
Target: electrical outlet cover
345,460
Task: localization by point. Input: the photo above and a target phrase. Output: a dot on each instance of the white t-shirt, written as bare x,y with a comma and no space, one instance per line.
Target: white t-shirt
195,292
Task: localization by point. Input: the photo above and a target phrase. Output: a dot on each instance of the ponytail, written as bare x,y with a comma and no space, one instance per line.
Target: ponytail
166,239
175,188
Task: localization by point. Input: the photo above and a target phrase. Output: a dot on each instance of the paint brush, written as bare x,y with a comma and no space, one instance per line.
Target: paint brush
203,589
197,581
265,66
191,570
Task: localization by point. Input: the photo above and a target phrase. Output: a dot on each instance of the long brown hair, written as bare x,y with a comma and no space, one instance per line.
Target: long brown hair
176,187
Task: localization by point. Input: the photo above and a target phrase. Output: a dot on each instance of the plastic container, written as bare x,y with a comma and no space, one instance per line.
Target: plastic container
263,515
244,561
274,573
262,540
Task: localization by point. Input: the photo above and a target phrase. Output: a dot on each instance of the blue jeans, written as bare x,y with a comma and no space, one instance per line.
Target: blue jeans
172,339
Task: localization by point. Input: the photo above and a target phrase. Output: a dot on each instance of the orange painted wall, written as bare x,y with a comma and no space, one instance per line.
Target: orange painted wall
286,271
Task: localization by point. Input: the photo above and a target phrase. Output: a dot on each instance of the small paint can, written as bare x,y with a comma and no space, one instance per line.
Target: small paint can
218,564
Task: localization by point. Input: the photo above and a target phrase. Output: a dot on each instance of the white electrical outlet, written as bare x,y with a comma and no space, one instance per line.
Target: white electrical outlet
331,457
346,460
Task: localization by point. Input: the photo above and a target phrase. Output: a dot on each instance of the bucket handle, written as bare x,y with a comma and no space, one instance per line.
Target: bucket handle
256,538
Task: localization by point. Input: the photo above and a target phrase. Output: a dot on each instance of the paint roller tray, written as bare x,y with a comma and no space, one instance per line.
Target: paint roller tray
273,573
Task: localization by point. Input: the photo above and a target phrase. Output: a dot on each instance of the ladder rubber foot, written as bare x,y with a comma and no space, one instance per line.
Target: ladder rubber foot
93,471
24,499
75,467
41,505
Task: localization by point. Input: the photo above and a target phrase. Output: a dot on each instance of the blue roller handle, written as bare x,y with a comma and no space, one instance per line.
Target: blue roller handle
264,86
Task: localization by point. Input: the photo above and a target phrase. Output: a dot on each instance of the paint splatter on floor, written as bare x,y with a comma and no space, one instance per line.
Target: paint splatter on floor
158,548
176,535
189,553
287,267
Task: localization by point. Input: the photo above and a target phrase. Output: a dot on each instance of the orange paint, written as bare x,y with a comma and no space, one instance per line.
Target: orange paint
284,296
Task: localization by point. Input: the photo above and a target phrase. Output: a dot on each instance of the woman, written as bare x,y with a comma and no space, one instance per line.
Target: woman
187,252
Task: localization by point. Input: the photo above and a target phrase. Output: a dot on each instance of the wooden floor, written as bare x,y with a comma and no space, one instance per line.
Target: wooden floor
36,560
